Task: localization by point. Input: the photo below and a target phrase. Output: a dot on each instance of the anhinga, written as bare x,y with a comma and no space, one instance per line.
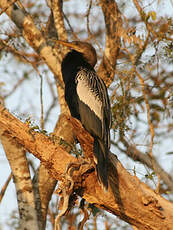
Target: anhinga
87,99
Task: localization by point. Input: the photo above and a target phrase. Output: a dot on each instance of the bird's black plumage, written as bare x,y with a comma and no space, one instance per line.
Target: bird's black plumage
87,99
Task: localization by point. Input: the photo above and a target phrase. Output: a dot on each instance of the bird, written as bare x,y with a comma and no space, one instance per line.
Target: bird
87,98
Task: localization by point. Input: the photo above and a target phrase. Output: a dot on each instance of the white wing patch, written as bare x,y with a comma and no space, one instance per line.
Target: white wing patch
88,96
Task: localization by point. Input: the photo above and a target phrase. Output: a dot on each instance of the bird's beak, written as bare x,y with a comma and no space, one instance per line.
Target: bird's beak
69,44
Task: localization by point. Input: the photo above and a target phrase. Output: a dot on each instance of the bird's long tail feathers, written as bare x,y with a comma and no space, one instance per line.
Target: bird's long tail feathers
101,157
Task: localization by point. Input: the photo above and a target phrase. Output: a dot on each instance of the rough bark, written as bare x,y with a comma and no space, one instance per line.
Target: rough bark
127,197
16,156
112,18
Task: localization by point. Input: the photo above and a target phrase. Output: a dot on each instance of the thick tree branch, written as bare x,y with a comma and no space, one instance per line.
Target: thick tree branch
59,20
129,198
16,156
112,23
50,154
43,185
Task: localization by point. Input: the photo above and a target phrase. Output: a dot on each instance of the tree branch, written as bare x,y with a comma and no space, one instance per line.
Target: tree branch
16,156
127,197
59,20
5,186
137,155
32,35
112,23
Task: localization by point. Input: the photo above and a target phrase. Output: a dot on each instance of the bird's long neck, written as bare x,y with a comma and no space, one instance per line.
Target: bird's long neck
71,64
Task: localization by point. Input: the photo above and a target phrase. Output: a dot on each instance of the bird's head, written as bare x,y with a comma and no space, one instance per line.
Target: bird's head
85,48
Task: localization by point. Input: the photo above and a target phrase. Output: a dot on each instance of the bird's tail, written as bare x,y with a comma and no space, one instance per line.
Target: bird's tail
101,158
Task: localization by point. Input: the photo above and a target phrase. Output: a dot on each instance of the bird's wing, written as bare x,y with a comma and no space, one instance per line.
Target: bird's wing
106,110
94,104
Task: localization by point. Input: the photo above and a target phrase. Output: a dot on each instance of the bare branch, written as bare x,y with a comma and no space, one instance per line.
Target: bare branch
33,36
137,155
4,188
112,22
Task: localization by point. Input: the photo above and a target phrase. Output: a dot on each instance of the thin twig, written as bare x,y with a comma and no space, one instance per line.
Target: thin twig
4,188
148,111
88,14
5,8
41,101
